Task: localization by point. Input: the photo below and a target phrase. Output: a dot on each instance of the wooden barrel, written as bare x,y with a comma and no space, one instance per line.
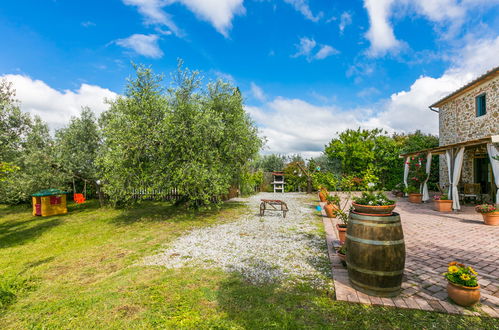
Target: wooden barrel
375,254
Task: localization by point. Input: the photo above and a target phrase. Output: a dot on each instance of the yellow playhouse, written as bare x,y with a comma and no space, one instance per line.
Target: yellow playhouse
49,202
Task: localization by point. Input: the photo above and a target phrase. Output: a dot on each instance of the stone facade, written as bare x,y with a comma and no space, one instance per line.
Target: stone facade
458,123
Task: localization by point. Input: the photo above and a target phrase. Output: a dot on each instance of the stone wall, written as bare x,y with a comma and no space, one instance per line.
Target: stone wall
458,123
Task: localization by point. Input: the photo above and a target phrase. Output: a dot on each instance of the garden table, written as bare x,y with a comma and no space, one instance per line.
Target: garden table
273,205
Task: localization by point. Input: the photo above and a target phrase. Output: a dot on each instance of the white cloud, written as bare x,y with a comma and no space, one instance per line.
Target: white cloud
307,46
217,12
368,92
446,15
303,7
257,92
57,107
345,20
408,110
380,32
325,51
153,13
87,24
224,76
146,45
297,126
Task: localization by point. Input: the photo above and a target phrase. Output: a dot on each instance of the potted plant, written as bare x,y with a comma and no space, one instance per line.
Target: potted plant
323,193
373,203
398,191
489,213
342,227
342,254
442,203
332,204
417,176
414,195
462,284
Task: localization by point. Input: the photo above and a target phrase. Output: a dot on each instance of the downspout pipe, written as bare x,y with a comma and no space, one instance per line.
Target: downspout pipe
434,110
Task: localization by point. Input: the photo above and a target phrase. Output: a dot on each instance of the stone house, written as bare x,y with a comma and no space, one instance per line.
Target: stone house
469,137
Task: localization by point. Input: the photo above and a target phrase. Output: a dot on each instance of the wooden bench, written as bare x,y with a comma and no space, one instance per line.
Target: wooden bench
273,205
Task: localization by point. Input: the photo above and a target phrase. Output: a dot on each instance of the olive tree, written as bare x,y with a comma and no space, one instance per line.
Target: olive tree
193,138
76,148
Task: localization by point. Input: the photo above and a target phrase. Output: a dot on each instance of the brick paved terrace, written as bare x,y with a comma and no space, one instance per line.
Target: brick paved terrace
432,240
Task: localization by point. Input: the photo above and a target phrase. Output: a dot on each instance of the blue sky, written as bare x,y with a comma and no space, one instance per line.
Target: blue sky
307,69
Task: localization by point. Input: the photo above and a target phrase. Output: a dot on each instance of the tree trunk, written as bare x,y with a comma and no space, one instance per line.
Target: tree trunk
99,193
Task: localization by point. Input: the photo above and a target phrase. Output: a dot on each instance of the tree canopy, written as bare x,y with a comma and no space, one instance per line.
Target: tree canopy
192,138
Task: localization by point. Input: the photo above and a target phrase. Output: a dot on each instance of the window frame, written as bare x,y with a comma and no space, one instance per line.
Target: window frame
484,105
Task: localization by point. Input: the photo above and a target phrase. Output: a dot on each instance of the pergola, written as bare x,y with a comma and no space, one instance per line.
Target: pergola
454,156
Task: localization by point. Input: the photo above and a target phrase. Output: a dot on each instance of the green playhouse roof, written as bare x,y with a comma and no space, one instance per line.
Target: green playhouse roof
48,192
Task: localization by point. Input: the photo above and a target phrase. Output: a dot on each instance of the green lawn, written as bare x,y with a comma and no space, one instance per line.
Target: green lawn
81,270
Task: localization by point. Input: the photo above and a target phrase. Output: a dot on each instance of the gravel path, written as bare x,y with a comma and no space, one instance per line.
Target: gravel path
268,249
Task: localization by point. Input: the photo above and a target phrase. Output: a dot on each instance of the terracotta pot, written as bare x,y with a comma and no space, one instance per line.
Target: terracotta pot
330,208
491,219
463,295
416,198
322,196
343,258
374,210
443,205
342,232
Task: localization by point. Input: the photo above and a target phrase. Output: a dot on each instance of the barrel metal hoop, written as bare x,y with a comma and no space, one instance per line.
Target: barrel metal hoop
362,223
393,218
373,288
373,242
375,272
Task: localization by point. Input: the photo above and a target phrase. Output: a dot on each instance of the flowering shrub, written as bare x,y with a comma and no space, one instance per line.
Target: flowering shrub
460,274
373,199
440,198
485,208
417,171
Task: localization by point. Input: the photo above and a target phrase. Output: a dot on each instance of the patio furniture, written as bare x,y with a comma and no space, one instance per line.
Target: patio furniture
273,205
471,191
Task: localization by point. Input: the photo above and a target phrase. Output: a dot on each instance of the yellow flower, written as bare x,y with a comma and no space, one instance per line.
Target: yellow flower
453,269
472,270
465,277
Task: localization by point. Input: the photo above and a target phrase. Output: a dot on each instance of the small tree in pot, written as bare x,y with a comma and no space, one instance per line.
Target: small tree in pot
417,176
332,204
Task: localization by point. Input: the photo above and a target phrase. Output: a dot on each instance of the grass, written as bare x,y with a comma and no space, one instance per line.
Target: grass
81,270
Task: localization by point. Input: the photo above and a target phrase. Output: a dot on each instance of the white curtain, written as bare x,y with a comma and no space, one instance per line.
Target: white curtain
456,176
406,170
448,158
494,152
426,195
